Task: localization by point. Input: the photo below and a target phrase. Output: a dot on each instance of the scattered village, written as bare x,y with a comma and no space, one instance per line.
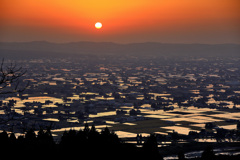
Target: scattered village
196,96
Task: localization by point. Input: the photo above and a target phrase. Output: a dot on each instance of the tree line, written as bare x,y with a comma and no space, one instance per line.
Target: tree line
83,143
88,143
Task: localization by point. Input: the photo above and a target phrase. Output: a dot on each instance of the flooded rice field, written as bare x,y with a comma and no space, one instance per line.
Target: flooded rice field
130,96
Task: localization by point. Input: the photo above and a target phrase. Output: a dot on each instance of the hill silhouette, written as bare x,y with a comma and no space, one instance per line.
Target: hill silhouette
43,48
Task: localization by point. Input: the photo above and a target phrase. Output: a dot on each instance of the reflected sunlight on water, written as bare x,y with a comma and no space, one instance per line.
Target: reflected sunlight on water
123,134
180,130
102,114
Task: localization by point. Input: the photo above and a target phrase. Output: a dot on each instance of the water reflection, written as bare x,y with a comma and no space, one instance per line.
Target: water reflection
123,134
192,116
179,129
102,114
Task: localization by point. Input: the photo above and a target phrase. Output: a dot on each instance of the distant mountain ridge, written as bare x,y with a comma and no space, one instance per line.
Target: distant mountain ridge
108,48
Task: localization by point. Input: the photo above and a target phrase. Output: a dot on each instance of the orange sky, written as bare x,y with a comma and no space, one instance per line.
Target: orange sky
124,21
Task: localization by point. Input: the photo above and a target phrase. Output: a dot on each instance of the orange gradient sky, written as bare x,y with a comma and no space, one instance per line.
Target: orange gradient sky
124,21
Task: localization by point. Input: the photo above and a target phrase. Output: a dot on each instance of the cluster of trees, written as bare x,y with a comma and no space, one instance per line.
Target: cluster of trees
84,143
106,144
88,143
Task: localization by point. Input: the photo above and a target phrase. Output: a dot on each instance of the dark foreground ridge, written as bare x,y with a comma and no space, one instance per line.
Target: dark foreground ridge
86,143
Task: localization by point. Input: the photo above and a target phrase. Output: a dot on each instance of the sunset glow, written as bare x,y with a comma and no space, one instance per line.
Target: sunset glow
164,21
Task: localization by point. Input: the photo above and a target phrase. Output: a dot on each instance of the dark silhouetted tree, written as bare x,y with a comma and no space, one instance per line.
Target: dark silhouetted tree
10,78
208,154
181,155
150,148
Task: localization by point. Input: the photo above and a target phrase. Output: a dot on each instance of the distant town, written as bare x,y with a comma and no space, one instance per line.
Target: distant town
181,98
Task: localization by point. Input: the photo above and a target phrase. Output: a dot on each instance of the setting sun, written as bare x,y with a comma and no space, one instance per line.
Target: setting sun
98,25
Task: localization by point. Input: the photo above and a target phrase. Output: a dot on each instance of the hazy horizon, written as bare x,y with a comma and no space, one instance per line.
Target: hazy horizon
120,43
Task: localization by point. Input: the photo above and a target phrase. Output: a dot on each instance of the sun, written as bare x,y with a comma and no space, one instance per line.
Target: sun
98,25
